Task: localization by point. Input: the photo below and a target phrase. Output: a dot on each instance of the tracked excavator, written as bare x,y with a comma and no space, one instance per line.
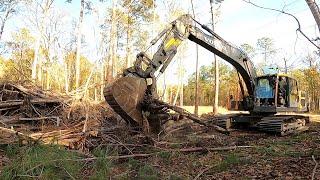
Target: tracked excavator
134,95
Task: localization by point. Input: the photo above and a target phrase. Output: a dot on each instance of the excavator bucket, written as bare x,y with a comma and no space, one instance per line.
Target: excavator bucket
124,96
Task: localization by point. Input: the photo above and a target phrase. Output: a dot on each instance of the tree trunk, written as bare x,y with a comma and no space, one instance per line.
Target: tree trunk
180,83
181,96
37,63
4,21
86,86
171,95
95,87
129,37
35,59
128,57
315,11
176,95
216,73
79,35
113,43
102,81
47,79
40,70
285,65
165,90
196,100
66,68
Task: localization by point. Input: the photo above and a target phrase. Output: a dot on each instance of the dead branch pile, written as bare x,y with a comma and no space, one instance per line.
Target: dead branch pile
82,121
29,109
31,113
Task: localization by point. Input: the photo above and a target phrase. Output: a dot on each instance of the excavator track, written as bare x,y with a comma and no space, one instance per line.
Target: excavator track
283,125
124,97
276,124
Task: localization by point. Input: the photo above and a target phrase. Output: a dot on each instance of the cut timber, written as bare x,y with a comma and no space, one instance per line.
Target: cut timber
199,149
37,118
5,104
186,150
194,117
11,120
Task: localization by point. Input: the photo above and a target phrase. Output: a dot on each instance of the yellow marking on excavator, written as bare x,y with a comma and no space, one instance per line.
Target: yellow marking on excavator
172,42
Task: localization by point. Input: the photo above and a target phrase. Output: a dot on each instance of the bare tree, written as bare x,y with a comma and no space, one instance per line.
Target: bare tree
289,14
266,46
315,11
7,8
216,64
196,100
78,51
39,18
113,43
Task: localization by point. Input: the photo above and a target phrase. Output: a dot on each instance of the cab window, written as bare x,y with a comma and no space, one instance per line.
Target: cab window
264,89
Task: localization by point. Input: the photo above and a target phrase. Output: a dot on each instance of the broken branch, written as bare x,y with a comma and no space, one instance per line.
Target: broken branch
289,14
315,167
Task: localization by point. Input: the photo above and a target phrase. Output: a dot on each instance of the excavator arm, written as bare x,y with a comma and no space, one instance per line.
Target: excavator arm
128,95
185,28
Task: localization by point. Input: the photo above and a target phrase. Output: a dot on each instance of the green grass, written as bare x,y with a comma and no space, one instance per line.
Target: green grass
40,161
165,156
133,163
102,166
141,170
229,161
53,162
284,147
147,172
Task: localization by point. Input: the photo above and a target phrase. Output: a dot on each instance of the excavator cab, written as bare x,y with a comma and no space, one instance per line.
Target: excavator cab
277,93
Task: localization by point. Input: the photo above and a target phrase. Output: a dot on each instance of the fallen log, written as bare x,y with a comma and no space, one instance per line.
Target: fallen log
5,104
194,118
7,120
315,168
200,149
11,134
156,153
28,91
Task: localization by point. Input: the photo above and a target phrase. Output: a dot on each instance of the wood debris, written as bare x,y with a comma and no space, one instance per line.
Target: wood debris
33,114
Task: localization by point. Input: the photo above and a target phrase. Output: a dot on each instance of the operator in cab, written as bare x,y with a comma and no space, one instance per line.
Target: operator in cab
282,91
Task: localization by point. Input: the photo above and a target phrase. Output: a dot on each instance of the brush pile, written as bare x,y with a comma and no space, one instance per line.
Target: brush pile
29,113
29,109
